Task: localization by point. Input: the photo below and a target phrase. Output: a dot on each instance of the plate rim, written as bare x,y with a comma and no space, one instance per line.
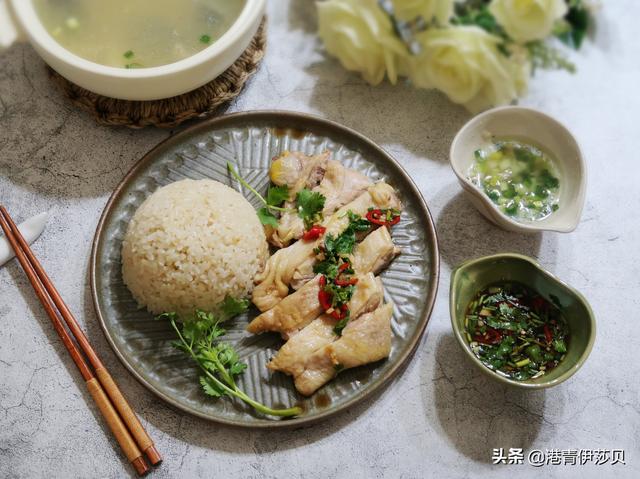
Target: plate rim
212,123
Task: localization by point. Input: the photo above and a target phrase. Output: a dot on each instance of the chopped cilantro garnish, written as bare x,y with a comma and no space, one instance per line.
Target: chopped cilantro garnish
310,205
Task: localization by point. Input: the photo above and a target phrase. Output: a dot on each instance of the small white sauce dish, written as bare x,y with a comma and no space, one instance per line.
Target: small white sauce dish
19,21
540,130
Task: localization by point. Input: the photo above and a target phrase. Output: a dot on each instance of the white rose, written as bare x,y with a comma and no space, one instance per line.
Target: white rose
408,10
464,62
361,36
527,20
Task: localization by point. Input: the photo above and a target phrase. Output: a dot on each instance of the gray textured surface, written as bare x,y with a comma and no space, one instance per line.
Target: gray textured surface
441,417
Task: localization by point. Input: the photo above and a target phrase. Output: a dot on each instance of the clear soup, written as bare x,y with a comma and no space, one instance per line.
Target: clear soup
137,33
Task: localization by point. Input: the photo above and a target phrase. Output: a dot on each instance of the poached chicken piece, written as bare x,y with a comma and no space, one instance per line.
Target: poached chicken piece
380,195
339,186
298,171
319,290
292,356
298,309
364,340
296,262
293,312
375,252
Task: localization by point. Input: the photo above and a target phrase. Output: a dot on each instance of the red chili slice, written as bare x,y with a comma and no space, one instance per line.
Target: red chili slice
314,233
491,336
376,217
324,298
547,333
340,313
539,303
344,282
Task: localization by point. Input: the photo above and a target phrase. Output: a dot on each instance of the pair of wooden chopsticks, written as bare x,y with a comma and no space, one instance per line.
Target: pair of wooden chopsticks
120,418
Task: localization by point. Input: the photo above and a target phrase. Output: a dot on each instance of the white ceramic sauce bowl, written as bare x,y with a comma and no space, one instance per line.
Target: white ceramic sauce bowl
19,20
540,130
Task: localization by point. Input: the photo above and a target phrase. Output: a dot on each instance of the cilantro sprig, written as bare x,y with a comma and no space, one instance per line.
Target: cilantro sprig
276,195
309,203
199,338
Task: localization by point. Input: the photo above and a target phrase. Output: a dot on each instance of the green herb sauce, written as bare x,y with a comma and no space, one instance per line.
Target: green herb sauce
519,178
515,331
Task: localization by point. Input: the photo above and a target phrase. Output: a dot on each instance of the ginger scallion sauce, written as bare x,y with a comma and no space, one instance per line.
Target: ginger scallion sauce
520,179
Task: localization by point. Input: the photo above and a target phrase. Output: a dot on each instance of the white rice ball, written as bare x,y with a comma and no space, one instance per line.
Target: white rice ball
190,244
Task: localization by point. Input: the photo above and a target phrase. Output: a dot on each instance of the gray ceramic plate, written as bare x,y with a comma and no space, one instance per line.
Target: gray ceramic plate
250,140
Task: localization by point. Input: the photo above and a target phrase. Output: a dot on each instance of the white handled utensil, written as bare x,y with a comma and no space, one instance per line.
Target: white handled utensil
30,229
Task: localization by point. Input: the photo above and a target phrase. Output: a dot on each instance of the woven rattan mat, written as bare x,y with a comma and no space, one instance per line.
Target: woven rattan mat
170,112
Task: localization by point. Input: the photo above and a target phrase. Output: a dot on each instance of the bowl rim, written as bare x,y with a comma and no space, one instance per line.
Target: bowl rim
576,202
295,117
26,15
465,345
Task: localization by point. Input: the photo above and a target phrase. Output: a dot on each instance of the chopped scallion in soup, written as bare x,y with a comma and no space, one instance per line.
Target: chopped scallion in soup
519,178
137,33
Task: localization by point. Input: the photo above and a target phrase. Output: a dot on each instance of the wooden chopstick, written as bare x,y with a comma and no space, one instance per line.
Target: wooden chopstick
112,390
51,299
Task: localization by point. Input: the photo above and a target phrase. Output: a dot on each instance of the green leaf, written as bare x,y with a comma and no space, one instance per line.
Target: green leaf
358,223
535,353
194,329
237,368
496,324
277,195
205,38
340,294
559,345
340,325
576,23
344,244
211,388
476,13
128,54
231,307
505,347
266,217
505,309
329,268
310,205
